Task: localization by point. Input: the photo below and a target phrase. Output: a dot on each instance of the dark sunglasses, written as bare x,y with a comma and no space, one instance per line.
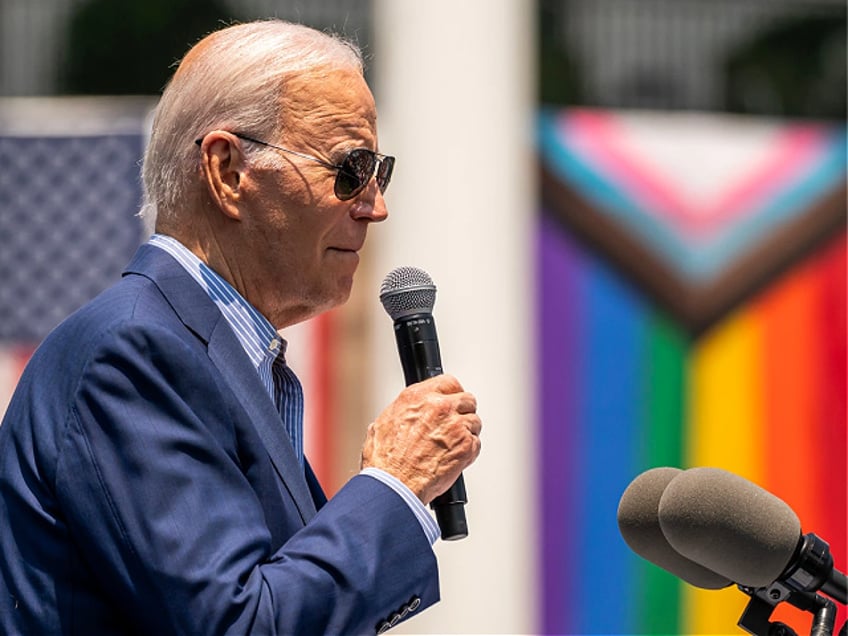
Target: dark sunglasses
353,173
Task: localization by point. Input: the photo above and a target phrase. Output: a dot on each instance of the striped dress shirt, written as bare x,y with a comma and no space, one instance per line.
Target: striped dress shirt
260,341
266,350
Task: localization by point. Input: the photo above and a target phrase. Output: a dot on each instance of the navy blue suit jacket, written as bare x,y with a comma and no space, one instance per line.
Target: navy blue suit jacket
147,486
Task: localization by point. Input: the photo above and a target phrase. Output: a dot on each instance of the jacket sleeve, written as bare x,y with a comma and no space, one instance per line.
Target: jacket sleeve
150,482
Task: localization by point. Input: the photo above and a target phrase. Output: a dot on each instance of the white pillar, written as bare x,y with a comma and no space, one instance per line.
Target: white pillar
455,94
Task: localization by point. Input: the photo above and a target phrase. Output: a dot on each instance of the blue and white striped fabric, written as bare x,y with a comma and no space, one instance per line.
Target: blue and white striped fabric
262,344
289,400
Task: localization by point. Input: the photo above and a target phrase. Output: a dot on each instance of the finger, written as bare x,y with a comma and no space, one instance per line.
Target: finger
444,383
474,425
467,404
476,447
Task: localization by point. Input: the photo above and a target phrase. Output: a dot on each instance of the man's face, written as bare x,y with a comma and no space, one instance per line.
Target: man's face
306,241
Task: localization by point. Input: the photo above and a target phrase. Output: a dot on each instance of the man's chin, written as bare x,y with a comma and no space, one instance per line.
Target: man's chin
335,297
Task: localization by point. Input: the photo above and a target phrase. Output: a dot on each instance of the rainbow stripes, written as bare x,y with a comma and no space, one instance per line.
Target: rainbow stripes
622,390
625,387
768,402
611,374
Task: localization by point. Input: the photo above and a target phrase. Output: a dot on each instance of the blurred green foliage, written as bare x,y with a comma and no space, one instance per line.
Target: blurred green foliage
796,68
790,67
131,48
559,79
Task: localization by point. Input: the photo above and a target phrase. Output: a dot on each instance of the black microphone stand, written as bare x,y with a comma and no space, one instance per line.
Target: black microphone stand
764,600
809,570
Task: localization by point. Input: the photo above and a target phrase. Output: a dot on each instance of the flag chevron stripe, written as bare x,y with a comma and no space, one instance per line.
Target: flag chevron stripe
807,162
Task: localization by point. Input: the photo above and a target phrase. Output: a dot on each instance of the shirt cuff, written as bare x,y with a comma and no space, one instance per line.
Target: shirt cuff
428,524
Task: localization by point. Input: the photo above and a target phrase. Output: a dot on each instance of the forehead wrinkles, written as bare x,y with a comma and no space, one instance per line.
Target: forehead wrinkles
329,106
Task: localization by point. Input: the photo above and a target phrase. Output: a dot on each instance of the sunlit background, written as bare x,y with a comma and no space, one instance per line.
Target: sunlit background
634,212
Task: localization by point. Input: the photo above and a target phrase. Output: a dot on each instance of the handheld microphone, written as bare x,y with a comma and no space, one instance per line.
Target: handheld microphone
742,532
638,522
408,295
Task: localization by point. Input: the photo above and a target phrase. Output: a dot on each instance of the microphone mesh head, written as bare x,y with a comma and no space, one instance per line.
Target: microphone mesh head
406,291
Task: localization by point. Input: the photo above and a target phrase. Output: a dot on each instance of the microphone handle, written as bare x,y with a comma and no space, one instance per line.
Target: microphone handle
418,346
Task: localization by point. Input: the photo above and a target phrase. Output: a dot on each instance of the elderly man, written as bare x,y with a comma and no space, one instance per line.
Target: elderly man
152,477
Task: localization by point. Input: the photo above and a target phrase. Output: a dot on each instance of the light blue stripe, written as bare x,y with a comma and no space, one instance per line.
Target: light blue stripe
705,259
570,166
794,199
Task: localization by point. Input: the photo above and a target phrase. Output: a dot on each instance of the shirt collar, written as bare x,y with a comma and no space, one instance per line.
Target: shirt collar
257,336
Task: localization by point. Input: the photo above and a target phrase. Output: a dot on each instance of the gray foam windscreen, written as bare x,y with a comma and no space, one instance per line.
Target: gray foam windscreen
729,525
638,522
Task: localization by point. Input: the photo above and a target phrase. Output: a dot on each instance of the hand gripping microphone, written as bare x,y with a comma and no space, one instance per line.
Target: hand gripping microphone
638,522
408,295
740,531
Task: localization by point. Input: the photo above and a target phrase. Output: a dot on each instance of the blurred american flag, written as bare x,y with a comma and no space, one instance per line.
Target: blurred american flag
69,195
70,191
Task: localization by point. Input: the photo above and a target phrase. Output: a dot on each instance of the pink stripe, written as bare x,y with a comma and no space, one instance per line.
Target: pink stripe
595,137
796,148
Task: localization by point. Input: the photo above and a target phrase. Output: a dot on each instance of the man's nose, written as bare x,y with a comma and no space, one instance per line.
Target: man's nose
370,204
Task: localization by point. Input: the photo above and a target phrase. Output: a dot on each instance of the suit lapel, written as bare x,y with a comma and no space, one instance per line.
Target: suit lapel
318,495
227,354
200,315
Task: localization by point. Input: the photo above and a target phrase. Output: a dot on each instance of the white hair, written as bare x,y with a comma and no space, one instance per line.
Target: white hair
233,79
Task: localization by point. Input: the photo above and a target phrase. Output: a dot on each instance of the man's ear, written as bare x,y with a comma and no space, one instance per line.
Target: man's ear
223,164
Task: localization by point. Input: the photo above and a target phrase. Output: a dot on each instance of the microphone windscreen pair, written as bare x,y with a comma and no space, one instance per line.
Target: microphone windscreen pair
639,524
708,526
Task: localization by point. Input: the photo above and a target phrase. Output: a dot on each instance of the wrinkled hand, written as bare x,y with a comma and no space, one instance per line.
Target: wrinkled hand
426,437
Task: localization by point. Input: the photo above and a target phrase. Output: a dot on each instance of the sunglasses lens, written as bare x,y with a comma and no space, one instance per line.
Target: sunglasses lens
384,172
355,172
358,168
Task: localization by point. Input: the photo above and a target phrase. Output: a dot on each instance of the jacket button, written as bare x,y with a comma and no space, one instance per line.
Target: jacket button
383,627
414,603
